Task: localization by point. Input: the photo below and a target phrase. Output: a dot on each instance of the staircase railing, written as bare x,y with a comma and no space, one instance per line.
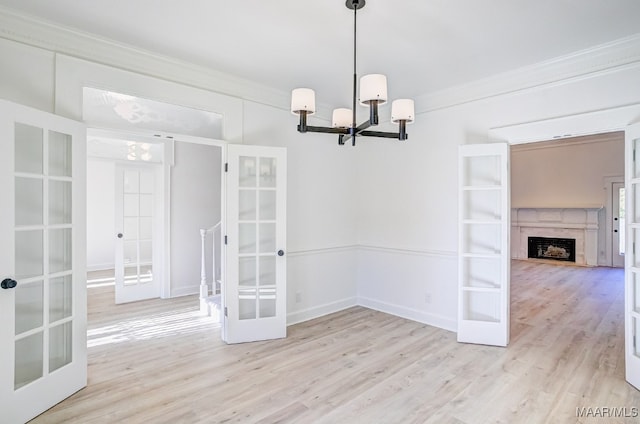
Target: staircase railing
204,286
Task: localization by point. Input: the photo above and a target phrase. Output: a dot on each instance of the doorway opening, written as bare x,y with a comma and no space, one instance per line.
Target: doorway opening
570,176
148,134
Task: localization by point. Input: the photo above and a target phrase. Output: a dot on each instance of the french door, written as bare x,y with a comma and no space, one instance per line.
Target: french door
254,292
618,224
632,255
137,273
43,313
484,258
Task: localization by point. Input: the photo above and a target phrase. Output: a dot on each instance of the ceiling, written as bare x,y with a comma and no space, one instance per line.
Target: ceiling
421,45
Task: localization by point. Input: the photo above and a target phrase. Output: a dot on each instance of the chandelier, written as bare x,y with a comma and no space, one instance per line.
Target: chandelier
373,93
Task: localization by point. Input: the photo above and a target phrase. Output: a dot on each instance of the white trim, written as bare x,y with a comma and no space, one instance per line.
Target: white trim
587,123
614,56
416,252
320,310
42,34
186,291
432,319
355,247
608,227
587,63
101,267
322,250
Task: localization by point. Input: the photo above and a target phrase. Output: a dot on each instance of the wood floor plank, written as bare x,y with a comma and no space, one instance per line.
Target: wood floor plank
160,361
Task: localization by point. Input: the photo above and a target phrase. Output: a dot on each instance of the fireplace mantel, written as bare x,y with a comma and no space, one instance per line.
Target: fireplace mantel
579,223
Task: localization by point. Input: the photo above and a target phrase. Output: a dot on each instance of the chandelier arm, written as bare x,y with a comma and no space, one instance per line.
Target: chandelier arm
380,134
326,130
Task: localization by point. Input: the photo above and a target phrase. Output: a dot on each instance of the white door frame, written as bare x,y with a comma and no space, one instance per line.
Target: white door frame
168,164
608,184
609,120
169,140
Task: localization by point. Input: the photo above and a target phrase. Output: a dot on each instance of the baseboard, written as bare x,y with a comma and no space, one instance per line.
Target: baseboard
185,291
434,320
100,267
319,311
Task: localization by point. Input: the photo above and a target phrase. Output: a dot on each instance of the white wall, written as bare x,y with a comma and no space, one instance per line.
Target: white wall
321,212
27,75
100,214
321,218
195,205
408,191
384,212
565,173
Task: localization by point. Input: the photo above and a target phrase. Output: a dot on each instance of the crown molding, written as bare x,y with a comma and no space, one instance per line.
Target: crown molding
38,33
598,60
609,57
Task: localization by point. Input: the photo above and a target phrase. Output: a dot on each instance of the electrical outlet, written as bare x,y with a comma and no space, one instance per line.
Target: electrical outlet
427,298
298,297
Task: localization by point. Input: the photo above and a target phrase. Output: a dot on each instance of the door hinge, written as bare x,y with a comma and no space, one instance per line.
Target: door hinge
226,167
225,312
225,239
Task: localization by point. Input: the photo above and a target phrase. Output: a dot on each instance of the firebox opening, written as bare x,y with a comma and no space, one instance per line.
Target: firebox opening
558,249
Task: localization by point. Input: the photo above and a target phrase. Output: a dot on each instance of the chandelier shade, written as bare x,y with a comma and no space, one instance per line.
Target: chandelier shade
303,100
342,118
402,110
373,93
373,87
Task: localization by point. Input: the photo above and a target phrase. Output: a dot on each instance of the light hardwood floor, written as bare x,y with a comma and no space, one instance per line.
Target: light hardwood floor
160,362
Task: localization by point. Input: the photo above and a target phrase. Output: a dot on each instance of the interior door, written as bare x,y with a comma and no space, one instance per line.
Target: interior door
136,223
484,254
43,312
254,292
617,224
632,257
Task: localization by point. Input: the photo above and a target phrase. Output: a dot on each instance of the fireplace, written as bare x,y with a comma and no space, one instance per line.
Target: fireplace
558,249
578,223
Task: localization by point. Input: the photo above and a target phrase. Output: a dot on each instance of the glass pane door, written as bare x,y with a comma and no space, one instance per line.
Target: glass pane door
135,206
632,257
255,284
43,252
43,295
257,232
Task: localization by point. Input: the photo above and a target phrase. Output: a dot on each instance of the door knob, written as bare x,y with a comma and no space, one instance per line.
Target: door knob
280,252
8,283
119,235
